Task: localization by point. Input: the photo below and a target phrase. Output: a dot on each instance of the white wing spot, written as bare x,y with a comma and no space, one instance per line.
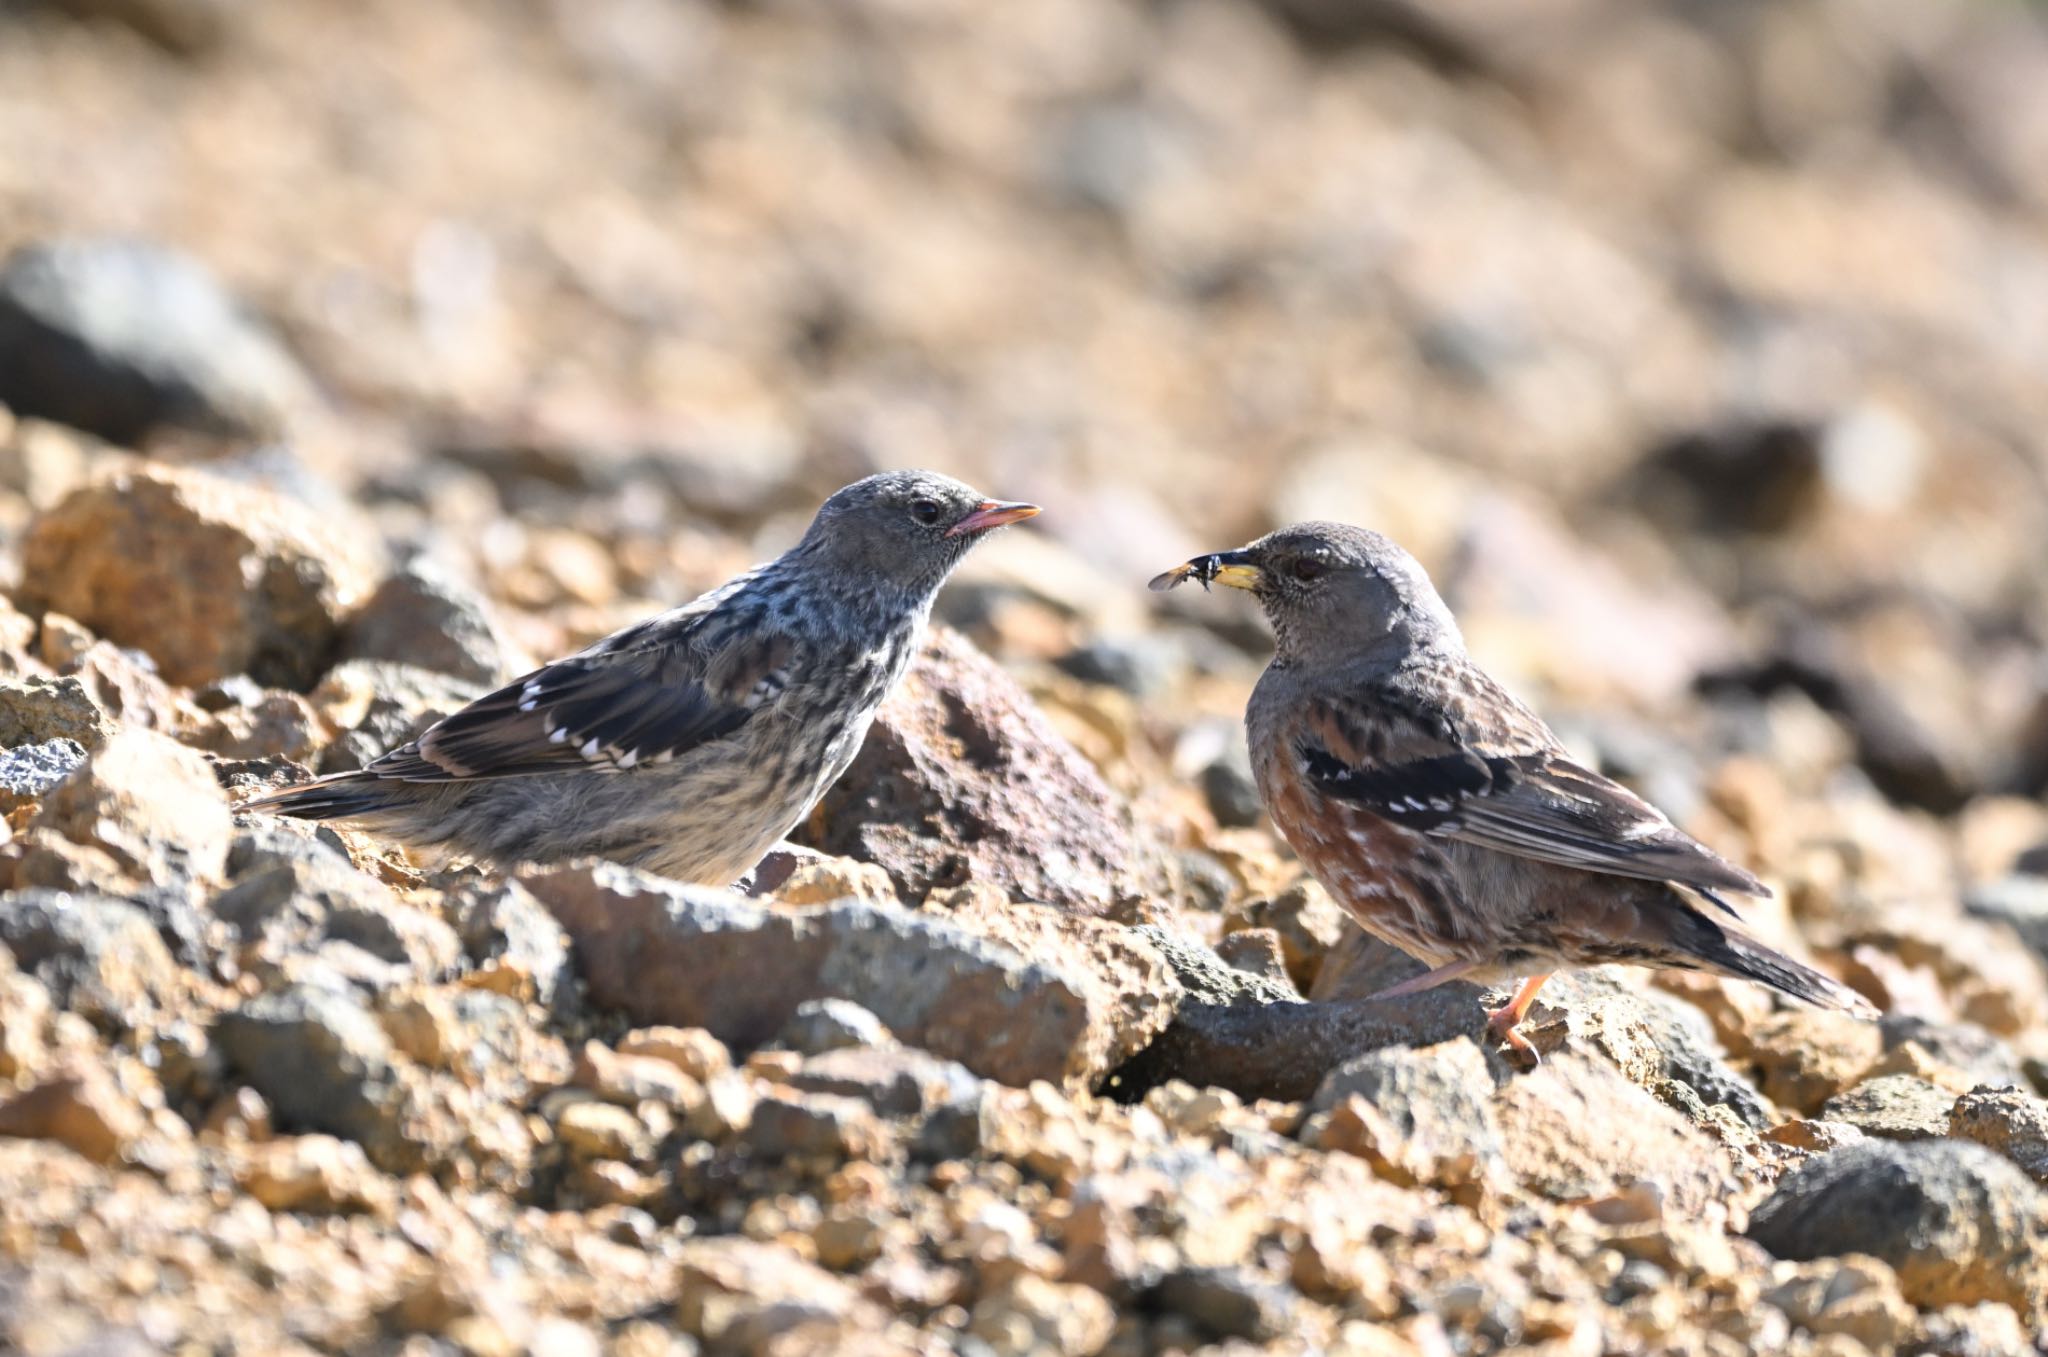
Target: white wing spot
589,750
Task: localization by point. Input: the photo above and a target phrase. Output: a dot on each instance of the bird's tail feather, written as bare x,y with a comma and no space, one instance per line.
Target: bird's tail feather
1740,955
344,797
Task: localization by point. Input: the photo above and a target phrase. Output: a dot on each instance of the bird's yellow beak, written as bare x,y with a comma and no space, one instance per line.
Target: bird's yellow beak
1234,568
993,513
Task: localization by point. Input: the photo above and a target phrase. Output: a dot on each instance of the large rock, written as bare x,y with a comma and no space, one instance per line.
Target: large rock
210,577
150,804
100,958
323,1062
2006,1120
124,339
962,778
1418,1115
691,957
423,615
292,894
1958,1223
1574,1128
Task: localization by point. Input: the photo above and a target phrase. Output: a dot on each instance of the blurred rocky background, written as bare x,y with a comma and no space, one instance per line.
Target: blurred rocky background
356,353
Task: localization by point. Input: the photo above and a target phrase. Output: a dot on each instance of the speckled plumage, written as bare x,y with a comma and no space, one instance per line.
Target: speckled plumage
689,743
1444,814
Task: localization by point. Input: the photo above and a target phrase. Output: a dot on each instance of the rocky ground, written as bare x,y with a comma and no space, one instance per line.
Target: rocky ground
353,356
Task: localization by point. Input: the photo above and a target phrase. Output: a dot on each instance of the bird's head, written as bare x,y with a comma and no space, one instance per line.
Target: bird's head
1330,591
906,528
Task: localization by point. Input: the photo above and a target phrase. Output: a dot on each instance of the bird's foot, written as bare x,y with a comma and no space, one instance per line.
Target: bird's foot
1503,1024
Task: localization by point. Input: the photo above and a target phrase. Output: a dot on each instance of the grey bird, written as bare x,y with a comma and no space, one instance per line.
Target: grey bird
689,743
1442,813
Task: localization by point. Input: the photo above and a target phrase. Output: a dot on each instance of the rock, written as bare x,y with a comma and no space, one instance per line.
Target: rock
961,778
600,1130
83,1110
1256,951
423,615
317,1175
1032,1315
683,955
739,1295
788,1124
125,339
296,895
692,1050
100,958
1987,1330
820,1025
29,771
1544,1118
629,1080
825,880
323,1063
1893,1107
2020,901
1310,925
1129,988
2008,1121
895,1081
149,803
34,710
1228,787
1805,1056
512,936
1418,1116
210,577
1957,1223
1229,1302
382,704
1857,1297
1144,665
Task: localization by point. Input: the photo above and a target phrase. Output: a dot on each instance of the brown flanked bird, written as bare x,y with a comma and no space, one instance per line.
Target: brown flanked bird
1444,814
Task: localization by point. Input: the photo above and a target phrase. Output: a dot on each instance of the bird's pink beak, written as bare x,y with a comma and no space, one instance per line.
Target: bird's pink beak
993,513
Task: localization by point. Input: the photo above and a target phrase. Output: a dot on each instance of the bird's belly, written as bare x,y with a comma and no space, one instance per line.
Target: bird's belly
1397,885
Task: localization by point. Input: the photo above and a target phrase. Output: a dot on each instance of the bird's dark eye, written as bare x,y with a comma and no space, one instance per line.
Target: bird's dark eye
1309,567
925,510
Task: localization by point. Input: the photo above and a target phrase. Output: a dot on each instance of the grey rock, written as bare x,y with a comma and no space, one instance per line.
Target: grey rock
404,700
896,1082
2006,1120
501,921
2020,901
1437,1101
124,338
820,1025
958,1130
668,953
1229,1302
30,770
423,615
1893,1107
791,1124
324,1063
294,895
1959,1224
1228,786
101,958
1142,665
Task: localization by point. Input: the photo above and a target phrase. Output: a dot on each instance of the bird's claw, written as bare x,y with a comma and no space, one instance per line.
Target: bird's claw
1503,1025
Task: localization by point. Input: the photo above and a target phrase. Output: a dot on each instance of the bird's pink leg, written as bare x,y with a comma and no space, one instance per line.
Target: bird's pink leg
1504,1020
1427,980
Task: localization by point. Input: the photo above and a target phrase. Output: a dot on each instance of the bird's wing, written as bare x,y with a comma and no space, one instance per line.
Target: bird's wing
1462,759
640,699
